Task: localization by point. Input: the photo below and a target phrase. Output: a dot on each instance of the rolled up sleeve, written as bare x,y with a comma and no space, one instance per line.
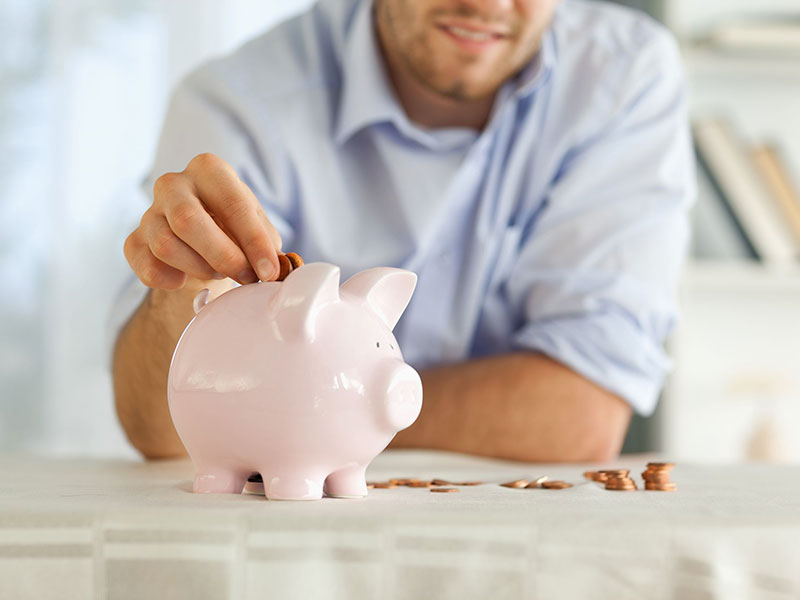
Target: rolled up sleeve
595,280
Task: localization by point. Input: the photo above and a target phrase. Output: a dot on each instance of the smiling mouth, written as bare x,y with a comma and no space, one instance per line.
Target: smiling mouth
471,36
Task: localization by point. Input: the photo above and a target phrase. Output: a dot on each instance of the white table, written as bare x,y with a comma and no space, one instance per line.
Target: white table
119,530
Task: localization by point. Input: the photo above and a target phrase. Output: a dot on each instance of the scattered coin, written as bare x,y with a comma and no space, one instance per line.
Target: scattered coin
444,490
419,484
556,485
517,483
468,483
441,482
403,481
537,483
384,485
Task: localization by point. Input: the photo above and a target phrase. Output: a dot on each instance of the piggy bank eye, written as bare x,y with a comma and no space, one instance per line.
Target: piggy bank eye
377,344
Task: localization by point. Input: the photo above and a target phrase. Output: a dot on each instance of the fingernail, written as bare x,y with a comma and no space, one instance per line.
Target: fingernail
266,272
247,276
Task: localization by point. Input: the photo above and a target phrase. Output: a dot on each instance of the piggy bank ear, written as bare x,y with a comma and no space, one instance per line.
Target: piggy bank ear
300,297
386,290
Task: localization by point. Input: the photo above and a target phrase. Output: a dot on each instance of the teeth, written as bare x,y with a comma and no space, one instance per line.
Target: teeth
476,36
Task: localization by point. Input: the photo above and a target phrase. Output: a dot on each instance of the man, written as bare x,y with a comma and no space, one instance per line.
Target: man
528,159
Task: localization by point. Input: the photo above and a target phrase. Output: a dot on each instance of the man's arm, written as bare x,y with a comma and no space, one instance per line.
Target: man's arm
518,406
141,365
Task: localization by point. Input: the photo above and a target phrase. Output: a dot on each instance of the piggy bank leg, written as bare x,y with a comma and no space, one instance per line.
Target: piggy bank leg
347,483
291,486
219,480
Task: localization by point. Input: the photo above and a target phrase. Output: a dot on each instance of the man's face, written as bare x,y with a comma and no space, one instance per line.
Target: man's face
462,49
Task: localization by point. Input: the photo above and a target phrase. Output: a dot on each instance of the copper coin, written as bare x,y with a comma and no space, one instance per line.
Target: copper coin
517,483
556,485
295,259
616,472
444,490
441,482
403,481
537,483
468,483
661,465
419,484
285,265
384,485
661,487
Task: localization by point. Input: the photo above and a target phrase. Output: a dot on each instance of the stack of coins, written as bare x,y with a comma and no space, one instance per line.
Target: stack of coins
656,477
618,480
288,263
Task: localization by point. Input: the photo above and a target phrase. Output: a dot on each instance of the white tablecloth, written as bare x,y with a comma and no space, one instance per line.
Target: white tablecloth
125,530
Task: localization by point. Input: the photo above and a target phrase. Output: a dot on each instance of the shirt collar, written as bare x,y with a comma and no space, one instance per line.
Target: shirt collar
367,96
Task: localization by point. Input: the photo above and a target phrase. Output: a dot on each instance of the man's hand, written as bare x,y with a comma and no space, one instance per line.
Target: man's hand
205,223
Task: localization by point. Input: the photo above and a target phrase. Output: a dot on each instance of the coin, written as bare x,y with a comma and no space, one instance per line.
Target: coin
555,485
295,259
468,483
444,490
537,483
419,484
285,267
660,465
595,476
403,481
441,482
661,487
616,472
384,485
517,483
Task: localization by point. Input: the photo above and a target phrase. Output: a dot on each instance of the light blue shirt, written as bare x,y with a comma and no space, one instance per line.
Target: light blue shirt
560,228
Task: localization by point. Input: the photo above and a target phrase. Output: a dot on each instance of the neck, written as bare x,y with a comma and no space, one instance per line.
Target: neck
426,107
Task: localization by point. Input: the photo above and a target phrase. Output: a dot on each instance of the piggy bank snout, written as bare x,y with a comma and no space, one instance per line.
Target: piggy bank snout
403,396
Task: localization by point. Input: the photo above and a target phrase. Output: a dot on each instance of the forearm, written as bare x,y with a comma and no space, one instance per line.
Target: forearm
141,366
520,406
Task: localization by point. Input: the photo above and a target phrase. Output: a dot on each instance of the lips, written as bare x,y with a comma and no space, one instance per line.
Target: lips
471,36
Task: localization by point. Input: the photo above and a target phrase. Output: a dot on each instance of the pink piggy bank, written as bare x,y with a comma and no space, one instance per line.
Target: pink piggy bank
301,381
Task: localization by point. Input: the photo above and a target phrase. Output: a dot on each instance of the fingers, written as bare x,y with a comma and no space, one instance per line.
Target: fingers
189,220
192,224
235,206
172,251
150,270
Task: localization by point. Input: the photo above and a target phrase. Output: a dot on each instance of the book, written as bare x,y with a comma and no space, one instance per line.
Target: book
734,174
716,234
777,180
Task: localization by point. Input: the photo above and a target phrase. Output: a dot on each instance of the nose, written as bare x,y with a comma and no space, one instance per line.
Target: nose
403,397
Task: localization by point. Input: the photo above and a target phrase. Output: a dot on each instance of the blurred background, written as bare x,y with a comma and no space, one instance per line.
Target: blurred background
83,89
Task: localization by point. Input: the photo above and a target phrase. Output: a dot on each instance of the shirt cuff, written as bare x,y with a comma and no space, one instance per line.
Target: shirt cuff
606,349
